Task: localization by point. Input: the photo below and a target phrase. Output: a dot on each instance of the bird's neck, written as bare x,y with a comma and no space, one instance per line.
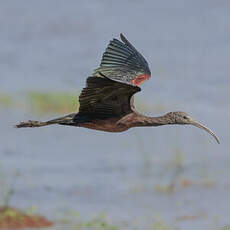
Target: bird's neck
152,121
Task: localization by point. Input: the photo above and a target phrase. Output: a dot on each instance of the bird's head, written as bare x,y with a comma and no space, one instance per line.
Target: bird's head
182,118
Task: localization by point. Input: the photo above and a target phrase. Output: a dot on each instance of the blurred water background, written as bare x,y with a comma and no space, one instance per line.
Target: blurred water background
174,176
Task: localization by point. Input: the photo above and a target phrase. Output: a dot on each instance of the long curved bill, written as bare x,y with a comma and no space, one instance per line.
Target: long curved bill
199,125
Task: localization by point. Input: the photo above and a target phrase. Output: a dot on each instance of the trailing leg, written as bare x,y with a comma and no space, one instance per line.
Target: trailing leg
66,120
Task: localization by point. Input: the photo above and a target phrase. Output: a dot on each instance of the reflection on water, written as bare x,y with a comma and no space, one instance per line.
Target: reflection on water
174,173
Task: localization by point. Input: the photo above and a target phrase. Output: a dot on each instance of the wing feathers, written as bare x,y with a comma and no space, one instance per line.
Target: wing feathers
104,98
121,61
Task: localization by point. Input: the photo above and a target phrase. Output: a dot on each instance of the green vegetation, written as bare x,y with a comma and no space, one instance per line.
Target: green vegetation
5,100
54,102
41,103
101,222
98,223
161,225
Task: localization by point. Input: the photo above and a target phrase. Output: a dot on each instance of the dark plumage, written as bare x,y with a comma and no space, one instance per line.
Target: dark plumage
121,61
107,101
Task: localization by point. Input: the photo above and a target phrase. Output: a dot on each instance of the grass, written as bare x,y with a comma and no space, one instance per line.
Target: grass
55,102
5,100
41,103
101,222
98,223
161,225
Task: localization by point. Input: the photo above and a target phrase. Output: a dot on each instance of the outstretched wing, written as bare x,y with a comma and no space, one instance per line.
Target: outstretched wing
121,61
104,98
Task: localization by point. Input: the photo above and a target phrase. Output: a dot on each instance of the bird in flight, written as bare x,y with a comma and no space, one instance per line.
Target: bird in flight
107,101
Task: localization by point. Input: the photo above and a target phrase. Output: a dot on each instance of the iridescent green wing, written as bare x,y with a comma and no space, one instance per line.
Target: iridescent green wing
121,61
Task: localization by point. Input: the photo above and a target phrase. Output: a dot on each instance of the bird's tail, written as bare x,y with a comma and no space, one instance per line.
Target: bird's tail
66,120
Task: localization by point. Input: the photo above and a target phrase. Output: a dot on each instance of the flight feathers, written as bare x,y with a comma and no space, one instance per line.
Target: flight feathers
121,61
104,98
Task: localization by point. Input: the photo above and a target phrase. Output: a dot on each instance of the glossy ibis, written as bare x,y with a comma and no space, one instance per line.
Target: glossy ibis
107,101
